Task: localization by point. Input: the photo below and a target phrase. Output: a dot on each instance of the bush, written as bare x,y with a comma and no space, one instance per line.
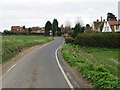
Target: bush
69,39
93,68
99,76
99,40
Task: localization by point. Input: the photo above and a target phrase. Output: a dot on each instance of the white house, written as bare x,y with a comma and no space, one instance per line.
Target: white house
106,27
111,26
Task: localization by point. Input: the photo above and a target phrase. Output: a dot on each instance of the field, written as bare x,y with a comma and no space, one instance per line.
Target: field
11,45
99,65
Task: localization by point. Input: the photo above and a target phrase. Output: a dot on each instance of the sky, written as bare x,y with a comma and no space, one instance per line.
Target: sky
67,12
119,10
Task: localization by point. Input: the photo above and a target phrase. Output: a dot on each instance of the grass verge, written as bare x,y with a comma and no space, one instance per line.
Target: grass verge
99,65
11,45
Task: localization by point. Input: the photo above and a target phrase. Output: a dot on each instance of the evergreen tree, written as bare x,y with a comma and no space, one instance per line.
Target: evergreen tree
111,16
77,29
59,32
24,27
29,30
48,27
54,27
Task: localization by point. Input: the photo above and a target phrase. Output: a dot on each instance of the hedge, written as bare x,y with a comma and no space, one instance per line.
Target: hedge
69,39
110,40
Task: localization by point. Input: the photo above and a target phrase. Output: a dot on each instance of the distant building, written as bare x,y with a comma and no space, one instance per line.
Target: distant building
50,32
67,30
88,29
43,29
98,25
111,26
36,30
105,26
17,29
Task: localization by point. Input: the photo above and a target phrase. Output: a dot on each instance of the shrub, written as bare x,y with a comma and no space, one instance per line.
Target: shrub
69,39
91,68
99,76
99,40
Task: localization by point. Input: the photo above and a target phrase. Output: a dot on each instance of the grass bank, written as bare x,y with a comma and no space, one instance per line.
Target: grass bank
99,65
11,45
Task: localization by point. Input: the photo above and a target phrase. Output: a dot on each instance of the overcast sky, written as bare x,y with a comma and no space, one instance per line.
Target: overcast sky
37,12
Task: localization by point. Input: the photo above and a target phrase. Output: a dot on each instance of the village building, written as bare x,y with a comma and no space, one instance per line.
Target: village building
36,30
18,29
88,29
66,30
98,25
111,26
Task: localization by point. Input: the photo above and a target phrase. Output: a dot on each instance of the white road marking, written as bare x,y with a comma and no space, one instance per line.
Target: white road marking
18,63
66,78
63,72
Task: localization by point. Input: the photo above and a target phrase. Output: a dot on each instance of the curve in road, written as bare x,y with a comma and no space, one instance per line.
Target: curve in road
37,69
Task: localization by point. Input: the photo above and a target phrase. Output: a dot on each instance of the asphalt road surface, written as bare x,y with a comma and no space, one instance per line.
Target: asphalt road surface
37,69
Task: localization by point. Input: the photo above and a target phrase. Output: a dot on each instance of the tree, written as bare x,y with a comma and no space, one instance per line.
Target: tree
59,32
87,25
54,27
7,32
24,27
29,30
77,29
111,16
48,27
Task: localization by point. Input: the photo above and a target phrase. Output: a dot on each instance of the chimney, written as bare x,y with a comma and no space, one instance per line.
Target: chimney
97,20
101,18
104,20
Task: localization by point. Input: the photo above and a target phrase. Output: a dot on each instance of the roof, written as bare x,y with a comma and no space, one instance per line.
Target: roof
36,29
113,22
15,27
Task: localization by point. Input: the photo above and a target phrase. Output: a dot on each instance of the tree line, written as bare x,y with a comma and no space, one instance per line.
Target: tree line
54,30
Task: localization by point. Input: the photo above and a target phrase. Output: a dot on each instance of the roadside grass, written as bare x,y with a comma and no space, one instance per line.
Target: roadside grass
99,65
11,45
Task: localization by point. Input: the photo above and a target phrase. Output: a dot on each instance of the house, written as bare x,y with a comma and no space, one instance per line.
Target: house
36,30
66,30
88,29
98,25
43,29
111,26
17,29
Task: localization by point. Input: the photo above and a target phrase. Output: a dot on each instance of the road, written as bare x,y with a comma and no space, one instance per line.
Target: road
37,69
